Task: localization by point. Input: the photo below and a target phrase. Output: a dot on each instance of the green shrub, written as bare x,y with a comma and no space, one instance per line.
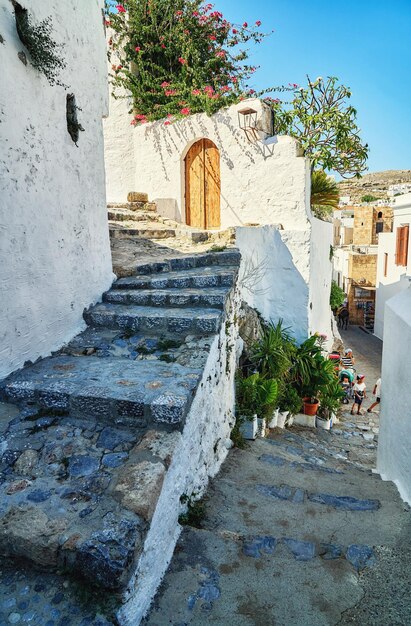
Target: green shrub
337,296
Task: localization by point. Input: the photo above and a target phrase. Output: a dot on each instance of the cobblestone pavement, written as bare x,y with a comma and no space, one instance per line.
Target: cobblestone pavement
298,530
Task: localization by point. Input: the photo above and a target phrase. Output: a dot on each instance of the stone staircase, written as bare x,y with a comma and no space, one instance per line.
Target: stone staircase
139,218
104,426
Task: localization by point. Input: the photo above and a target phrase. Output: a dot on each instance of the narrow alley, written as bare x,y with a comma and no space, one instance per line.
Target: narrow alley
298,530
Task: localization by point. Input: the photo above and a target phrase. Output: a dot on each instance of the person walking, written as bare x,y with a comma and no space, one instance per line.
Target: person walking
347,361
359,394
377,393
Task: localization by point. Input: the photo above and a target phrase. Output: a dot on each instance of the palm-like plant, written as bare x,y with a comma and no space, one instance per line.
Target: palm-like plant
324,194
272,353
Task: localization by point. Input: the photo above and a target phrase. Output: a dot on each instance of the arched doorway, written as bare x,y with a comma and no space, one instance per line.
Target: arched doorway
202,185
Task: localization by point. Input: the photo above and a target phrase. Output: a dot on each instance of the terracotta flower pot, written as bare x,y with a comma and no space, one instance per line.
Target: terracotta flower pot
310,408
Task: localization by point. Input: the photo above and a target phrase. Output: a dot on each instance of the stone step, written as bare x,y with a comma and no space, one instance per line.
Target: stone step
203,277
230,257
133,206
176,321
214,297
114,390
123,215
148,232
77,495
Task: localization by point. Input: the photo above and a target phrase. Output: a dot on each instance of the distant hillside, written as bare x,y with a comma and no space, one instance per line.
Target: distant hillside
375,184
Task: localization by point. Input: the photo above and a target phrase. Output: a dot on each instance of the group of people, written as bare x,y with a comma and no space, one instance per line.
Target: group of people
356,389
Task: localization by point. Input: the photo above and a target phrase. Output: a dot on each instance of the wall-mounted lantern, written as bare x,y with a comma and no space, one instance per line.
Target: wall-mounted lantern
247,121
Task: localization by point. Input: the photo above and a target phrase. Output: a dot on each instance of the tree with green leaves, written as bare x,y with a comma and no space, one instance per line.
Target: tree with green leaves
324,194
178,58
320,117
337,296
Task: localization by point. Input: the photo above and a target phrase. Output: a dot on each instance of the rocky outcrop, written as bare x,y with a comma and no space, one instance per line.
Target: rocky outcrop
375,184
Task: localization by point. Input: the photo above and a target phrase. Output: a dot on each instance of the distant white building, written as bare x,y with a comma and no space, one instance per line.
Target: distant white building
398,189
54,244
344,200
394,260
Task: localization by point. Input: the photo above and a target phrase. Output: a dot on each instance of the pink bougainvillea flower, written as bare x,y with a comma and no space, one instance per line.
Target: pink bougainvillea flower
212,37
120,8
133,122
170,92
258,23
140,116
220,54
235,31
182,61
107,22
167,123
163,45
208,89
137,49
165,84
185,111
196,92
245,25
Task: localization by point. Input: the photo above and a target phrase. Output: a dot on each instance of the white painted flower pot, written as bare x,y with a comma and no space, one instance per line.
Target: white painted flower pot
249,428
324,424
261,426
274,419
290,420
282,416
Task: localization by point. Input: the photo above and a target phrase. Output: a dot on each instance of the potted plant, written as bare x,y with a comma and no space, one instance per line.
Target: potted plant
255,396
329,405
311,373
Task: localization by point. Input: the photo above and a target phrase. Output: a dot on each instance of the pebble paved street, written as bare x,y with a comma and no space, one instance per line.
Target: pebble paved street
298,531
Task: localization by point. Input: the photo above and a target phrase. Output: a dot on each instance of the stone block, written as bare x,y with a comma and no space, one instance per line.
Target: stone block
169,409
26,463
139,486
27,532
160,444
304,420
137,196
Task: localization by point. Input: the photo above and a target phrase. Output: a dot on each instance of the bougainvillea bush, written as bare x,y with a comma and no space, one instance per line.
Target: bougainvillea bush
178,58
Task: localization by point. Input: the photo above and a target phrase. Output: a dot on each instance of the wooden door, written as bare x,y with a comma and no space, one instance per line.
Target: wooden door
202,185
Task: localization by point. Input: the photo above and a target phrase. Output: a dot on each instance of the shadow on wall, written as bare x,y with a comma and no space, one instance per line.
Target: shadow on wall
172,143
269,278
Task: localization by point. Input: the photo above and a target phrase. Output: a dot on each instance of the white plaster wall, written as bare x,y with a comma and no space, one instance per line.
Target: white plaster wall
208,426
394,442
320,279
54,245
263,182
397,276
275,275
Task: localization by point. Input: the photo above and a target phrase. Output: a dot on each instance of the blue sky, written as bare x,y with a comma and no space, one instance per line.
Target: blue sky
366,43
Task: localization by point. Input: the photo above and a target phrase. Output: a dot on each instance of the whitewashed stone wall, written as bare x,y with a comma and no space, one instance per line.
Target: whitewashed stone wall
286,274
265,182
320,316
394,442
201,450
54,246
397,277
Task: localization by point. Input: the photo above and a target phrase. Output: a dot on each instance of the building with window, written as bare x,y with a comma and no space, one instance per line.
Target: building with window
394,259
356,234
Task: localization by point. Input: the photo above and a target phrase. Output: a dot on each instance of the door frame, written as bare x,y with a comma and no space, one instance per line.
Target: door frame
188,147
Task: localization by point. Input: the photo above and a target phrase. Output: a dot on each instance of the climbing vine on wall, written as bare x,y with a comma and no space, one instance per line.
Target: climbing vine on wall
45,53
178,58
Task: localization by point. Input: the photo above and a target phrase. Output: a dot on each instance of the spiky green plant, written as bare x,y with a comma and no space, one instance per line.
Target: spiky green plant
324,194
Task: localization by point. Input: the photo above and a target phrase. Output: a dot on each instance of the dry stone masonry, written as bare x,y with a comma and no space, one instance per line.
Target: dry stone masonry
112,430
